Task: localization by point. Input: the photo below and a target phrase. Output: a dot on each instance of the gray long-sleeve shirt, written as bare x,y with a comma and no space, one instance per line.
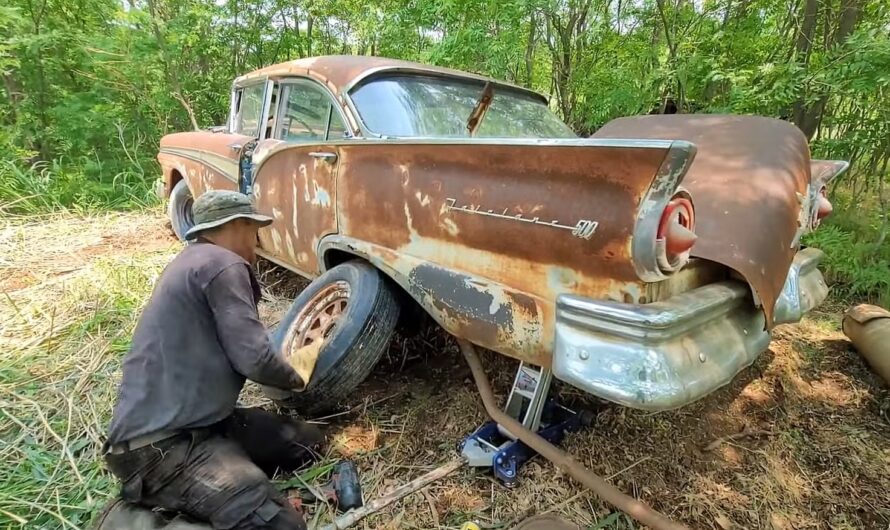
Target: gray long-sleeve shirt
197,340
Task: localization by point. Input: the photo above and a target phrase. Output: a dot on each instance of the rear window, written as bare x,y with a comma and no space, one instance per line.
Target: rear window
423,106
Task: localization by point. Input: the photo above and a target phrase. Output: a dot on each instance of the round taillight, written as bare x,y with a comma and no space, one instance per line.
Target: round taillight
677,226
823,205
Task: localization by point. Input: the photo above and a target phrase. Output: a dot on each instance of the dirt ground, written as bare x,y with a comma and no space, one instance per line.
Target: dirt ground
799,440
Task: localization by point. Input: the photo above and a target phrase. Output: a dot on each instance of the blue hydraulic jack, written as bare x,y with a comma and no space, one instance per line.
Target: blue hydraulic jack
492,446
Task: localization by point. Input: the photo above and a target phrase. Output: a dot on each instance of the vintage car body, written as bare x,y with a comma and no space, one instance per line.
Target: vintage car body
555,251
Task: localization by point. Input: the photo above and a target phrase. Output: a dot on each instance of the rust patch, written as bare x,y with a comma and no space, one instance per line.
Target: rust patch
401,196
300,192
745,180
460,298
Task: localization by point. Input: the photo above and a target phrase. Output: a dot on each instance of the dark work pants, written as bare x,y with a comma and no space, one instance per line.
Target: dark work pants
221,474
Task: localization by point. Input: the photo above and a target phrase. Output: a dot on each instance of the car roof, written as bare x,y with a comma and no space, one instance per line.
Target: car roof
342,72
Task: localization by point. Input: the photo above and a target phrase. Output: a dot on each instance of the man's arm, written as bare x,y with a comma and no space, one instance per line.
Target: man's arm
241,333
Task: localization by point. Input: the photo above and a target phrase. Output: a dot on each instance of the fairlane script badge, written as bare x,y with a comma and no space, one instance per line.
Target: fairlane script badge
584,228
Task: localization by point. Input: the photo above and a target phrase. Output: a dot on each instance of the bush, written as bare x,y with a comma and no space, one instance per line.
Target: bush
44,187
854,265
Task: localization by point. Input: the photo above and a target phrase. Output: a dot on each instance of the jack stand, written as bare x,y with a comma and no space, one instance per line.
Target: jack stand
492,446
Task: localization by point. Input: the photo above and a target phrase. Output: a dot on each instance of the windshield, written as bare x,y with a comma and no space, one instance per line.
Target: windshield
412,105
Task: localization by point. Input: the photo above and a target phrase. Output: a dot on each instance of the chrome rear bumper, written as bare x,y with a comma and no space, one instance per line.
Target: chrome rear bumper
804,288
668,354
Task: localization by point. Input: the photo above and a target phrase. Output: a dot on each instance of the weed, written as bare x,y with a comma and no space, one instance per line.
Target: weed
853,265
46,187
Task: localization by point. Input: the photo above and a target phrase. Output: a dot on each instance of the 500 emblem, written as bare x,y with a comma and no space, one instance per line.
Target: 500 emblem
584,228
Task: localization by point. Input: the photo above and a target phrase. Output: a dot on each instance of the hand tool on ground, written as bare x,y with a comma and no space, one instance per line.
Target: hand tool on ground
344,491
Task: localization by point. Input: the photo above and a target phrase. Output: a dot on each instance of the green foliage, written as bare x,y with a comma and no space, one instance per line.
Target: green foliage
88,91
51,186
855,268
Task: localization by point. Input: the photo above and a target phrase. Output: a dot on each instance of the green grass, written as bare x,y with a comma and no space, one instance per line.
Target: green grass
55,186
58,365
856,265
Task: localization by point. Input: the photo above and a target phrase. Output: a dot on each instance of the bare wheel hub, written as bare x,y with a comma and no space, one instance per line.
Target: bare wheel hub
318,318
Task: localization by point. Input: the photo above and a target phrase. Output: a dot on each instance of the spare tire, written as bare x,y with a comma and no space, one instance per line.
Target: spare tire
179,208
353,308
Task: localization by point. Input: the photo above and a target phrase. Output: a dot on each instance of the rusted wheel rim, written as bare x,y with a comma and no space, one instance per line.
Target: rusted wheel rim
318,318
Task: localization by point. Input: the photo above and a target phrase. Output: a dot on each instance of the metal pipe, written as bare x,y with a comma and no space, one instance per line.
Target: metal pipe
609,493
868,327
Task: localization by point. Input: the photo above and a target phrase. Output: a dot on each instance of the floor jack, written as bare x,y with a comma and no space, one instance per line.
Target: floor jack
492,446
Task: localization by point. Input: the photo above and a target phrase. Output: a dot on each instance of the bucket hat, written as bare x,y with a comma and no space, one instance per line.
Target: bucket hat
217,207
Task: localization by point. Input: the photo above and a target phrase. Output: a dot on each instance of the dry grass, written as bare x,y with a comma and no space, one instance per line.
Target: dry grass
800,440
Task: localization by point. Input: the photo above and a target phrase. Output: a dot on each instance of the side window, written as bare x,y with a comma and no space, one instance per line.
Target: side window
307,115
250,107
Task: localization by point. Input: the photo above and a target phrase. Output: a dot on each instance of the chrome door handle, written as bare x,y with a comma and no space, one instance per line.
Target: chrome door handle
327,156
236,146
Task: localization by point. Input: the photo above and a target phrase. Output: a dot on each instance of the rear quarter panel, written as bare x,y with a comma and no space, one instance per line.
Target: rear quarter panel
749,180
481,233
204,159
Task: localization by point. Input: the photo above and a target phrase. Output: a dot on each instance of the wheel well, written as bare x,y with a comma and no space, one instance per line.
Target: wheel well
412,317
334,257
175,177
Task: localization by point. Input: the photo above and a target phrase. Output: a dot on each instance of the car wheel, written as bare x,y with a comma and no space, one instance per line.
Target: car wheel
179,208
352,308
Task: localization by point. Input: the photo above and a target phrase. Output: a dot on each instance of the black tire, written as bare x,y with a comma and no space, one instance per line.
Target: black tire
179,208
354,344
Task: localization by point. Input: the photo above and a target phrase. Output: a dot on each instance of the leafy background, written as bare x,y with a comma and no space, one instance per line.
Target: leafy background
89,86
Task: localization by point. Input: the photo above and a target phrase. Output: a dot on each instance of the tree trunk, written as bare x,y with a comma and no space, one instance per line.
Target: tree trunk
808,117
172,79
804,43
530,49
672,51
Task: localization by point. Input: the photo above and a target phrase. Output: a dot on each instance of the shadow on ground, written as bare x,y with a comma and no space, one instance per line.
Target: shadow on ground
798,440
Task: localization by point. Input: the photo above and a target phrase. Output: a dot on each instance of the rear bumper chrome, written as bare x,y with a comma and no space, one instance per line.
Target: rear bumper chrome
804,288
667,354
662,355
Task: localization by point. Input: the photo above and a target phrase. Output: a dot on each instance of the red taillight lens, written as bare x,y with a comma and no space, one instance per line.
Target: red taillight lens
677,226
823,205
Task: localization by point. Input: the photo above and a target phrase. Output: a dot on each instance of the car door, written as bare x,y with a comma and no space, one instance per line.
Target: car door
211,159
295,174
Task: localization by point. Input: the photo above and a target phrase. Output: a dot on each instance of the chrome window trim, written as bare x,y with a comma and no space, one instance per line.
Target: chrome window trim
296,80
372,72
267,104
233,111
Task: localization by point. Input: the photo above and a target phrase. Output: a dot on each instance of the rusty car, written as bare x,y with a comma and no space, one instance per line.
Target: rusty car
646,264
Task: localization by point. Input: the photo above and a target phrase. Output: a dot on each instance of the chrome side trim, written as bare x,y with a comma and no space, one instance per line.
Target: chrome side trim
222,165
554,142
662,355
668,178
804,288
